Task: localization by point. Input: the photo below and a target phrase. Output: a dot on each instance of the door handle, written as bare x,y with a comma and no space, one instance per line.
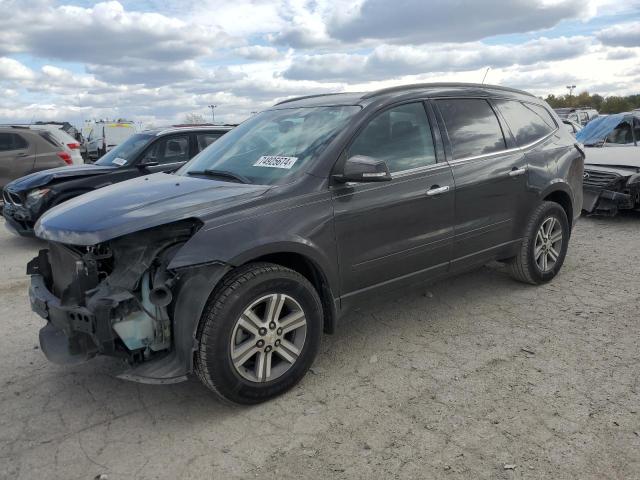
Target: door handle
517,171
22,154
436,190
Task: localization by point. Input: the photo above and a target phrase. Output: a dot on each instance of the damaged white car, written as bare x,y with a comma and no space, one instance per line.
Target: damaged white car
612,166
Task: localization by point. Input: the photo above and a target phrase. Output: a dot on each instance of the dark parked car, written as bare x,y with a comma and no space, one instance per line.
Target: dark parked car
23,151
234,265
161,150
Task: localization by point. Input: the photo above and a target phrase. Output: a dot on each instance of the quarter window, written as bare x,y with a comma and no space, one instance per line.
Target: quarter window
472,126
400,136
528,122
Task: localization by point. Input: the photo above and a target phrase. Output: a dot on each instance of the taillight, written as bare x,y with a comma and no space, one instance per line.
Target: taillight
66,157
73,146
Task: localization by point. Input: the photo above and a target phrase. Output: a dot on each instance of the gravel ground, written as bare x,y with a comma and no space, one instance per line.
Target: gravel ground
474,377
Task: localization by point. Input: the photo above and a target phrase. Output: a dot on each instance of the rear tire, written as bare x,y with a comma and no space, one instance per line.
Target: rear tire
543,247
259,333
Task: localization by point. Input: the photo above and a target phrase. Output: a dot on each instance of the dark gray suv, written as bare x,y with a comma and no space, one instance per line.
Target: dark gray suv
234,265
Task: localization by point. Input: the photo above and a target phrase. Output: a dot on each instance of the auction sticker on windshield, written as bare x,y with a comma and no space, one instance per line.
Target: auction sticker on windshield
274,161
119,161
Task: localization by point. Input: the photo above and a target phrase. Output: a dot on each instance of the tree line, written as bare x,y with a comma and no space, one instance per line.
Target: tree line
608,104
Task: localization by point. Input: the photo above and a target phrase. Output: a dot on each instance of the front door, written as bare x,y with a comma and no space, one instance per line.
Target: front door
395,232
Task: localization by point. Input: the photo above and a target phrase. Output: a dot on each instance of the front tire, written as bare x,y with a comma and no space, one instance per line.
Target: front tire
544,245
259,333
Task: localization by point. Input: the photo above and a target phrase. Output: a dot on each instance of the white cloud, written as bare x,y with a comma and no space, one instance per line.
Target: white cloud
105,33
258,52
419,21
623,35
68,62
393,61
11,69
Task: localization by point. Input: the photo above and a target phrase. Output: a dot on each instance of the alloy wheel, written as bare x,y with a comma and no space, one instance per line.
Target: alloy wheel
548,244
268,338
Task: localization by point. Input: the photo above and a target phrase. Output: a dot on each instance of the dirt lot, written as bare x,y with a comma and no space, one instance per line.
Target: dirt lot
466,379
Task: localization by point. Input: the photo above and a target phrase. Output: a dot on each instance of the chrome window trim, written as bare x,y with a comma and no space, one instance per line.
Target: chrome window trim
403,173
411,171
507,151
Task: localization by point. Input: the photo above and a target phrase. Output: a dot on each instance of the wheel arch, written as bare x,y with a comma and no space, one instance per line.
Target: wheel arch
308,267
560,193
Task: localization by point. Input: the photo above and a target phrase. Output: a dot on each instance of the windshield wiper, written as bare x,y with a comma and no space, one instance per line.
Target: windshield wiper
221,173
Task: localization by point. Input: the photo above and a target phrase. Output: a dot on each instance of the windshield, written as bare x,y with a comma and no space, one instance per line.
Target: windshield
126,152
272,146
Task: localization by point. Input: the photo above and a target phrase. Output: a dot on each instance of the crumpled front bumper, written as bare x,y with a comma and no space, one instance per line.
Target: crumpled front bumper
19,219
609,202
75,333
62,325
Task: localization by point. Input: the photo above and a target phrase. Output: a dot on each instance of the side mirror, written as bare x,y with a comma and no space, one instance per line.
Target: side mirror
145,164
364,169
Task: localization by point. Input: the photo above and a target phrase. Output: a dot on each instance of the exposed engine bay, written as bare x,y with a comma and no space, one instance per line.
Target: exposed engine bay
112,299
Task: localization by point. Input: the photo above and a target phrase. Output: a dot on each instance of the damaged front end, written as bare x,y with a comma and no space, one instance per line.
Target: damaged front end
21,211
118,299
606,191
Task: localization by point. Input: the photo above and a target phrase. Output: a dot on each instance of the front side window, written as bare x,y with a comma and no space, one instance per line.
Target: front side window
272,146
528,122
126,152
400,136
472,126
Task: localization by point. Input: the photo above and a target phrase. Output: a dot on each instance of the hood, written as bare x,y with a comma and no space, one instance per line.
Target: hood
45,177
138,204
624,156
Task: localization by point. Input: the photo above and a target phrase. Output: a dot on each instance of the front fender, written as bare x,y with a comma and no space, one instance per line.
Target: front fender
305,229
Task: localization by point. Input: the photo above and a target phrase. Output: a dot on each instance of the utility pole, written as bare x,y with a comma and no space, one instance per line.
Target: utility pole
213,114
570,88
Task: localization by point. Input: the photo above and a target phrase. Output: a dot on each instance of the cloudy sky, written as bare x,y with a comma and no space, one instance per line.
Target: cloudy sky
154,61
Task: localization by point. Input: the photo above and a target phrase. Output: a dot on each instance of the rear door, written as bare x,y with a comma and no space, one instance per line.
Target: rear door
490,175
397,232
17,156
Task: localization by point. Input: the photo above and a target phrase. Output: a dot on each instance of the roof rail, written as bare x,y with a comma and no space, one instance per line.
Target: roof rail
14,125
417,86
304,97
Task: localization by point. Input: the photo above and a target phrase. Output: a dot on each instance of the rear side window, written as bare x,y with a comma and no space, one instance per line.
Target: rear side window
472,126
50,139
12,141
529,123
400,136
173,149
206,139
